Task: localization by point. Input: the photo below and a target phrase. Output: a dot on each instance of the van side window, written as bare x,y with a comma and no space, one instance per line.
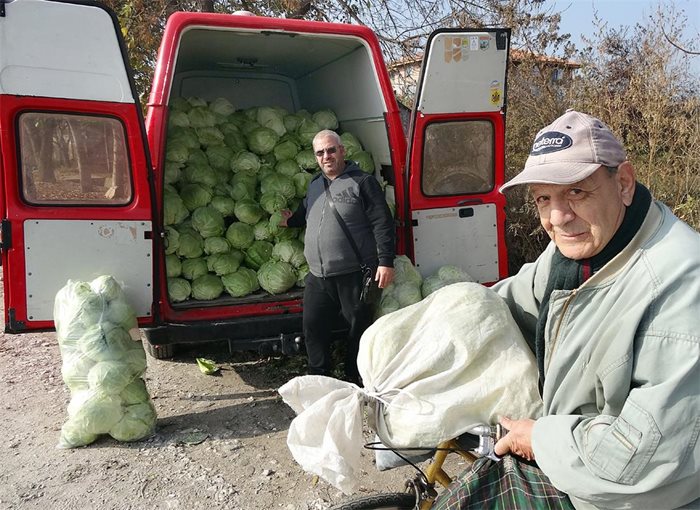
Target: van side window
458,158
71,159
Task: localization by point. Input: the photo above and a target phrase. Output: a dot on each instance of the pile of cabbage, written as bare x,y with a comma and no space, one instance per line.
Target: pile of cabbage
410,287
103,361
228,174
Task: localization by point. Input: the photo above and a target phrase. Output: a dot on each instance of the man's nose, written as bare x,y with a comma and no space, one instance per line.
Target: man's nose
560,212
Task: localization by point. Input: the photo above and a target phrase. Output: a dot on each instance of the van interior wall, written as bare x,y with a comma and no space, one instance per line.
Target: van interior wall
347,83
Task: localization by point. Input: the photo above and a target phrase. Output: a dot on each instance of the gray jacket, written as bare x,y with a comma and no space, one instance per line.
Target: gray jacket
622,366
360,201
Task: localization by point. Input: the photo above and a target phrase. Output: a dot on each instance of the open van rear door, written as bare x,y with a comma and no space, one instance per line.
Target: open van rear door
456,160
76,195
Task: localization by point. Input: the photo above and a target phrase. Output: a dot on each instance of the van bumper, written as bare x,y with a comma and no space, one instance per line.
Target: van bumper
267,334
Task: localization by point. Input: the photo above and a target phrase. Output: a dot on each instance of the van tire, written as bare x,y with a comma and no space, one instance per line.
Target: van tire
159,351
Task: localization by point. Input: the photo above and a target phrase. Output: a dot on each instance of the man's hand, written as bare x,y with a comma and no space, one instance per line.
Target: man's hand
384,275
286,214
518,440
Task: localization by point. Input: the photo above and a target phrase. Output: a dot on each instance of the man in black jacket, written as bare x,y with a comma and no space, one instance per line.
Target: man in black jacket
334,282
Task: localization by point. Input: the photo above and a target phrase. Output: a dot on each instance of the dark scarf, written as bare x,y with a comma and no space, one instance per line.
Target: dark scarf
568,274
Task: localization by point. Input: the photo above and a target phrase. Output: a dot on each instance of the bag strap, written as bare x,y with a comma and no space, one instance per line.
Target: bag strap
342,223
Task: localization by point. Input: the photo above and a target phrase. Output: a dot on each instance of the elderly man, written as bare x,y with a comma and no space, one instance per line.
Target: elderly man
612,312
334,282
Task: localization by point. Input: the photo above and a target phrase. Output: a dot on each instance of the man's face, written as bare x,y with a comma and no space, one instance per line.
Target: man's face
581,218
330,156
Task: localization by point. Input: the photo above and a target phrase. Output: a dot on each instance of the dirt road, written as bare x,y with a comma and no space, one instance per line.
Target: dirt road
220,442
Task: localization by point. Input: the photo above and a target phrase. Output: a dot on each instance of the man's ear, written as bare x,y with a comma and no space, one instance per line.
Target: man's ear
627,182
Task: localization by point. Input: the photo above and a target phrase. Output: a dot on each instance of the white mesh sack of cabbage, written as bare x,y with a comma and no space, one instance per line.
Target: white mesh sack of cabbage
103,361
431,371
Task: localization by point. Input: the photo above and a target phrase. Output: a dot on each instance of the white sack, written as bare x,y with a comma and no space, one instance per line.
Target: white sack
439,367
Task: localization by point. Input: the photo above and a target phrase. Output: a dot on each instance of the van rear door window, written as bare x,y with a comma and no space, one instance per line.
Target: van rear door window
458,158
71,159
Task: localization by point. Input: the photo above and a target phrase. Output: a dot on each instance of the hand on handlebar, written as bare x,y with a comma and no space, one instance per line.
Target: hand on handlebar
518,440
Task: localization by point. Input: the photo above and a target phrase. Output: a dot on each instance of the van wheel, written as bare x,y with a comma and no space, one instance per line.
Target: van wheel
159,351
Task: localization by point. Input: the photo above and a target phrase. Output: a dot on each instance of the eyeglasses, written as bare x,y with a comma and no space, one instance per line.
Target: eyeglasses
329,151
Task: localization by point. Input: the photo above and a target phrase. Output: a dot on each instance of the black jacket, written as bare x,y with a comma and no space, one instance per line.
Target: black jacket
360,201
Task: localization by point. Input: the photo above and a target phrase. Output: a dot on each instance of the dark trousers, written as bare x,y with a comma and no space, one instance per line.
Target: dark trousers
324,300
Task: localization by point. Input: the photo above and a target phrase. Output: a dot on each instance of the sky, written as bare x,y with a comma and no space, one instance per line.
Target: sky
577,17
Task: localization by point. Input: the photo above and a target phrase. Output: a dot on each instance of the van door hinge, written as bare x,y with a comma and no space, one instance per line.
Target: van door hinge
13,325
2,8
5,233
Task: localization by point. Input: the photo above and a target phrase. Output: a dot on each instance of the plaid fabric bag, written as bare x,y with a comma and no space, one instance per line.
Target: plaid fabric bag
510,484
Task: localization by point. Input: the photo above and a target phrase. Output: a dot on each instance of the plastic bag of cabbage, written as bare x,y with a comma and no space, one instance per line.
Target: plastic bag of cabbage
103,361
228,174
431,371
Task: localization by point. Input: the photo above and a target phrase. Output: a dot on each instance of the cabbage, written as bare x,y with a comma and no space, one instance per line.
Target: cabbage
109,377
135,392
176,152
325,119
191,244
209,136
408,293
364,161
262,140
200,173
272,202
107,287
225,205
73,436
222,106
241,283
182,138
194,268
195,195
219,157
179,104
172,240
291,251
286,149
272,118
307,131
287,234
248,211
278,183
173,266
306,159
135,359
197,157
301,183
236,142
207,287
174,210
243,186
245,162
119,312
352,145
261,230
302,271
214,245
287,167
201,116
178,289
208,222
74,370
292,122
453,274
276,276
137,423
96,413
171,172
222,263
273,225
258,253
240,235
431,284
196,101
405,271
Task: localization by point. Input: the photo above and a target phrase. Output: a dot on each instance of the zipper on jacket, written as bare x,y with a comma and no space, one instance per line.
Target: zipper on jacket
320,227
555,339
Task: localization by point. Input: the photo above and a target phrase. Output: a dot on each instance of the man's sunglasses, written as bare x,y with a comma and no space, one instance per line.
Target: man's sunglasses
329,151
